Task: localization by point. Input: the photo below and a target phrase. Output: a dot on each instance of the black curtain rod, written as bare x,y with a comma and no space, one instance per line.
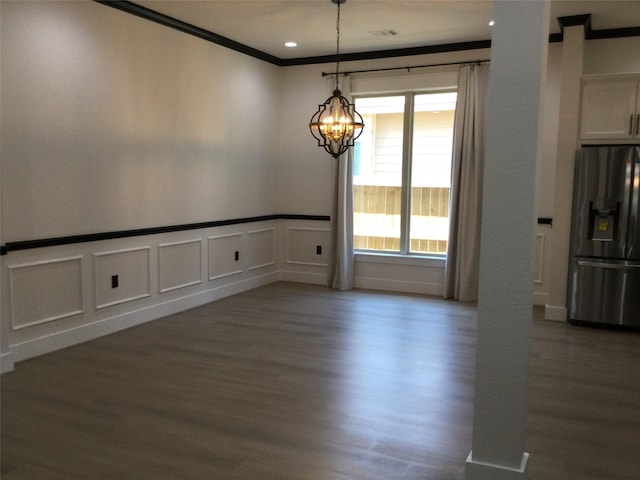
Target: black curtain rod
408,69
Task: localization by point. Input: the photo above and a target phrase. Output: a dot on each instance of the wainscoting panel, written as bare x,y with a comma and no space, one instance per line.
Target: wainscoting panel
539,265
97,287
262,248
99,284
226,255
122,276
179,264
308,246
44,291
540,274
399,274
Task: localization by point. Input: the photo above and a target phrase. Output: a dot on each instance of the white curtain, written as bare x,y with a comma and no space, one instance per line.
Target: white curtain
341,275
463,253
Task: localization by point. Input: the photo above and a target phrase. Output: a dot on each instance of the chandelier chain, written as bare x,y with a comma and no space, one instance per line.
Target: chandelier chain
336,125
337,44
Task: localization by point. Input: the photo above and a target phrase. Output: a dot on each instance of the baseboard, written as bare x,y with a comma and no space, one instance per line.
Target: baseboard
558,314
304,277
91,331
424,288
6,362
540,299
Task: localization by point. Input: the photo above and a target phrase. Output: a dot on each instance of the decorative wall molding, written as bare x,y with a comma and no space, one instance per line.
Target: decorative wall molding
305,245
179,265
263,258
262,248
167,21
95,237
188,28
45,291
541,262
539,266
225,255
65,338
131,266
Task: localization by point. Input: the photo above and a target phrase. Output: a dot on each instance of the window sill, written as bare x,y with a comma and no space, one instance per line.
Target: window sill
397,259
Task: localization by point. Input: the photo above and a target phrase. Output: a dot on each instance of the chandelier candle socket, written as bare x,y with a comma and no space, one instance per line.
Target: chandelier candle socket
336,125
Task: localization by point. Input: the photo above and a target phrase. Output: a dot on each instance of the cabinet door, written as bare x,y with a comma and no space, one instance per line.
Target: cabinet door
608,109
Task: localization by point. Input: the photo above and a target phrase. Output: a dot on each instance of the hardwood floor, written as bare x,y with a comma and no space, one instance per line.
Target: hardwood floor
584,403
299,382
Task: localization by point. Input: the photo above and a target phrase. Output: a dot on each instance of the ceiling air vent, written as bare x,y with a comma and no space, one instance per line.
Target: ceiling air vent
391,32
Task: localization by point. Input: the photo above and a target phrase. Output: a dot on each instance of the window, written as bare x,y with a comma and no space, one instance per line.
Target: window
402,173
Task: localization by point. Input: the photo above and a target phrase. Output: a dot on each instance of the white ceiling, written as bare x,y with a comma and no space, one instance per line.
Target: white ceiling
267,24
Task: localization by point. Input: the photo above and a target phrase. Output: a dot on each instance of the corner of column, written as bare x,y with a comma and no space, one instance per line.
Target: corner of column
6,363
476,470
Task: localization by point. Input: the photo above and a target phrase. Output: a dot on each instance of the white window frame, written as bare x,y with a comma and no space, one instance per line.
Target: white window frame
406,174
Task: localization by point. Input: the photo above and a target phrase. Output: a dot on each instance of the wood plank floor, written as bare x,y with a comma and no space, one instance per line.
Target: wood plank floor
301,382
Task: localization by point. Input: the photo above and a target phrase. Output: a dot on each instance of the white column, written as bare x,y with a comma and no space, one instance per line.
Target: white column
571,71
518,65
6,363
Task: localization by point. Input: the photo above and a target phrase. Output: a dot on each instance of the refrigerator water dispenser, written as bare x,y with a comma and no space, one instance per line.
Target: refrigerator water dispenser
603,219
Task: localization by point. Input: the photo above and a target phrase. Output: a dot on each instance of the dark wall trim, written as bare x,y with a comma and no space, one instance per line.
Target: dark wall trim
401,52
589,34
188,28
614,33
167,21
94,237
408,68
555,38
574,21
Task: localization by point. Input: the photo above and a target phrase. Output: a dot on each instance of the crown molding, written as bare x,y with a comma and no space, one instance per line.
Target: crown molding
162,19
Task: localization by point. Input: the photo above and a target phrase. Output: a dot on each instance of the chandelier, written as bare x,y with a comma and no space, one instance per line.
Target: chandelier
336,124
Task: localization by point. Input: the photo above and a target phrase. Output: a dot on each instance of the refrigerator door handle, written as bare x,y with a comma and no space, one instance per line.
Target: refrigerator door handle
631,124
614,266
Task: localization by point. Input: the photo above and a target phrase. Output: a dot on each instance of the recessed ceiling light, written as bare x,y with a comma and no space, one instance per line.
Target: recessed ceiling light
290,44
491,23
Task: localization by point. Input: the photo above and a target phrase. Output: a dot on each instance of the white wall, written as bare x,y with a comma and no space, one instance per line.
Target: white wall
546,167
306,179
613,55
112,122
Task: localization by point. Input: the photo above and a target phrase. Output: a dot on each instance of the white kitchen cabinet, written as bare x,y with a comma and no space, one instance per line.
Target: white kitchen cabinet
611,109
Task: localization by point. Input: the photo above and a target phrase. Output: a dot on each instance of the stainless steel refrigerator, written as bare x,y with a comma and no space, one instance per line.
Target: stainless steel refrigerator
604,269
